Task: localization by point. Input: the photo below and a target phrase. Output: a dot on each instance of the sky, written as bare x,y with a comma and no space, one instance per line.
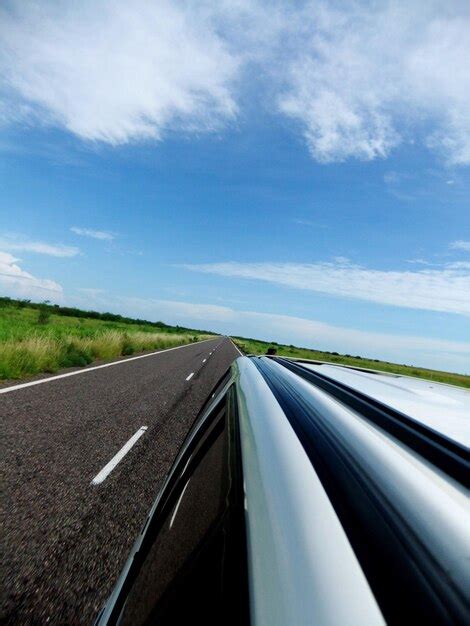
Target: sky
290,171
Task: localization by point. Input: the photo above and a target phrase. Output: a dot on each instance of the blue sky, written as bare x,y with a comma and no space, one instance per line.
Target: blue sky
278,174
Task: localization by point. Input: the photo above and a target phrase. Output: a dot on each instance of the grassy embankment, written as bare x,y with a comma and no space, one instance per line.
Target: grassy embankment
253,346
43,338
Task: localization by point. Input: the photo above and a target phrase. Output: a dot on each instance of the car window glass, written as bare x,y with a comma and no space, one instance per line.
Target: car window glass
188,558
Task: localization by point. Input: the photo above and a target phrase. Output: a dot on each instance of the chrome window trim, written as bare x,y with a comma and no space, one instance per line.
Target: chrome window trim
302,568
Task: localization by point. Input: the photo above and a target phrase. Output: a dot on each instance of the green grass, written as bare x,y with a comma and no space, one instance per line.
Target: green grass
254,346
36,339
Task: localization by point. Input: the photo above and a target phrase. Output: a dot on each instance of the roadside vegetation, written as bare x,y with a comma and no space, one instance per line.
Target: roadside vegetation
36,338
254,346
44,338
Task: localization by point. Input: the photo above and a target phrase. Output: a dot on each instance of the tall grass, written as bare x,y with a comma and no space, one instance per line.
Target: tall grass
48,353
31,356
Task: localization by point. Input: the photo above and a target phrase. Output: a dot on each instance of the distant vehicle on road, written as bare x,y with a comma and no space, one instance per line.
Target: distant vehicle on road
309,494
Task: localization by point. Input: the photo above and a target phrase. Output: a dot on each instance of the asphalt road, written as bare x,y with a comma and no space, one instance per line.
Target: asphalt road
66,539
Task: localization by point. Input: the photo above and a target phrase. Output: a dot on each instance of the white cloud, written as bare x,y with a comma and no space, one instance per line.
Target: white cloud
461,245
287,329
459,265
116,71
94,234
40,247
371,75
446,289
17,282
359,78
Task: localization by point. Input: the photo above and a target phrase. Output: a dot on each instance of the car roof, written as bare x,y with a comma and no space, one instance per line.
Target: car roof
444,408
371,464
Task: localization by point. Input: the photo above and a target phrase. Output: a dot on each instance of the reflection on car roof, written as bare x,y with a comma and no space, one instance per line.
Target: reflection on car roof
444,408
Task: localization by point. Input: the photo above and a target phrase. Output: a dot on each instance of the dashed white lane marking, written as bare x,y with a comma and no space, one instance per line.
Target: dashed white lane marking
204,360
178,504
108,468
190,376
95,367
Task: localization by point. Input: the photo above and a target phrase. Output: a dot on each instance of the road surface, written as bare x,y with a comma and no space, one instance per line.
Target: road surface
84,458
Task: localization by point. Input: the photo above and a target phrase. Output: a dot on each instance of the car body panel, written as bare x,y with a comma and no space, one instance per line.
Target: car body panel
444,408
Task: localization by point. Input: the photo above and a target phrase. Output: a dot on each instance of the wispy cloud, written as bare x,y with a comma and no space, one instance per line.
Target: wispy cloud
307,222
446,289
461,245
420,262
392,178
20,244
19,283
358,78
94,234
459,265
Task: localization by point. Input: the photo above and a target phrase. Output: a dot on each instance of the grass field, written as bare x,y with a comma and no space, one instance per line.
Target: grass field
35,339
253,346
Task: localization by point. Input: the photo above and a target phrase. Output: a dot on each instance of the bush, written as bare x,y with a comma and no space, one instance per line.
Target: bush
74,356
43,316
127,349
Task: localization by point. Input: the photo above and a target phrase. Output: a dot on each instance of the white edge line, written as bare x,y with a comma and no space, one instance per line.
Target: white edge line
178,504
96,367
108,468
237,348
190,376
